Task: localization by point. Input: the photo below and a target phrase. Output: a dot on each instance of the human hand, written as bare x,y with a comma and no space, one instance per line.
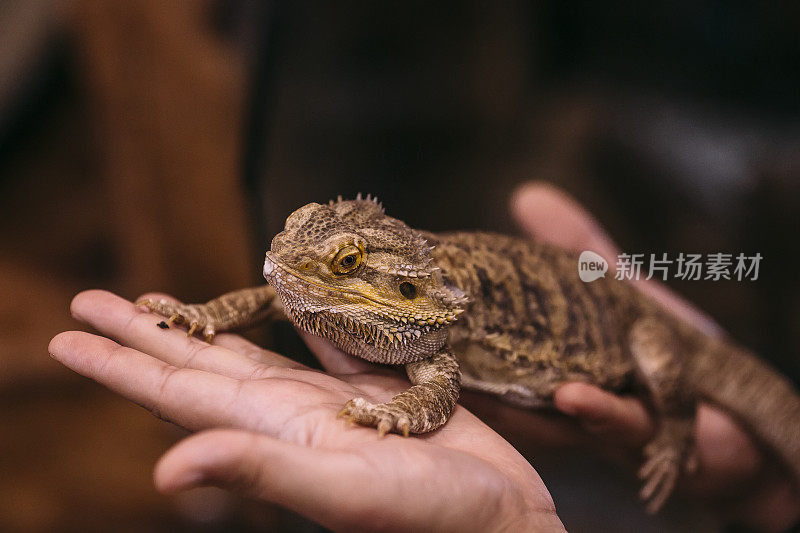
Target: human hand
268,429
733,476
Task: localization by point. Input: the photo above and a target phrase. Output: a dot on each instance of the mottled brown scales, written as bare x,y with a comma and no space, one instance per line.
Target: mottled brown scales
527,322
500,315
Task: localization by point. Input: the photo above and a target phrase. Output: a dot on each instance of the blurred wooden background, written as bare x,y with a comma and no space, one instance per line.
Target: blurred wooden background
127,179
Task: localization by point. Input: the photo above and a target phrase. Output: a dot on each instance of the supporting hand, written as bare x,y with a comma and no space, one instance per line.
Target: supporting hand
733,475
268,429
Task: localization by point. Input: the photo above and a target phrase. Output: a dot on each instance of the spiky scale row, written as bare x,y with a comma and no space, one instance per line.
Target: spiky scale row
360,198
410,273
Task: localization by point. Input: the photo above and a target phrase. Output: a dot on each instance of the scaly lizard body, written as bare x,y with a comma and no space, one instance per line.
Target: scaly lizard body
500,315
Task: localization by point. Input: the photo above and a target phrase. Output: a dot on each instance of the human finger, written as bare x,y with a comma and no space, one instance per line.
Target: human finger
551,215
118,318
601,413
191,398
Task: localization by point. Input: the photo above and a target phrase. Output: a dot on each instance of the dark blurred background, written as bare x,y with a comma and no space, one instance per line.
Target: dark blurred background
149,145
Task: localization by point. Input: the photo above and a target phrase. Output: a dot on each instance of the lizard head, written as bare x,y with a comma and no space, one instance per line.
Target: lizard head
348,272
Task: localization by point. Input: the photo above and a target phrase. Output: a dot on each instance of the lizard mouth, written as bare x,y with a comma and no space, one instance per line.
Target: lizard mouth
328,312
269,266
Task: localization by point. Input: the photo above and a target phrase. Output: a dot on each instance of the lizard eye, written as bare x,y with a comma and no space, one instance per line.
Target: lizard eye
409,290
347,260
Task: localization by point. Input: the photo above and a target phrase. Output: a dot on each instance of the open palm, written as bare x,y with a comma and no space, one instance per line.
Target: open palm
268,429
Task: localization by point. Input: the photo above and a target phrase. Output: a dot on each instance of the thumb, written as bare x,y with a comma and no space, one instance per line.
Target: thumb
550,214
605,415
305,480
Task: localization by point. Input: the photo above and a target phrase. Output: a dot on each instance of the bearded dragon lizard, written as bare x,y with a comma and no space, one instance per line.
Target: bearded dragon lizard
501,315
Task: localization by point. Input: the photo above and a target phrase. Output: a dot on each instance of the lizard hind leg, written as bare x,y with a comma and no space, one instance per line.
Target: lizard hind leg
671,450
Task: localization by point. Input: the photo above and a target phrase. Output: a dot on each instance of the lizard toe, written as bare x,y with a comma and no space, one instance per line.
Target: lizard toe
209,333
660,474
179,313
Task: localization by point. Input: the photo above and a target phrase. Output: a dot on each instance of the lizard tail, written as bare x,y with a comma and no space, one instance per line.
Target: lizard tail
760,398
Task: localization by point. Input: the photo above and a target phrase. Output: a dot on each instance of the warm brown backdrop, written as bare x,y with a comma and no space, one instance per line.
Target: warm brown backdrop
150,145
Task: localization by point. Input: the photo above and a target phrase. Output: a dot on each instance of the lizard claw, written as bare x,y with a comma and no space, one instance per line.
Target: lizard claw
404,426
383,426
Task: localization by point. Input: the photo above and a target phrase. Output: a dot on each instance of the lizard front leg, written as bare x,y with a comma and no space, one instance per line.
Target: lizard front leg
231,311
423,407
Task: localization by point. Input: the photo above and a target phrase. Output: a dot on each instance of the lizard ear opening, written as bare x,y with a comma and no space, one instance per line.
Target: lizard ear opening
408,289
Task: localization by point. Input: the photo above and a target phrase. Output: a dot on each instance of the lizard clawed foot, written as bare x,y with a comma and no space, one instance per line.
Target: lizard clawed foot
179,313
664,462
660,473
385,417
